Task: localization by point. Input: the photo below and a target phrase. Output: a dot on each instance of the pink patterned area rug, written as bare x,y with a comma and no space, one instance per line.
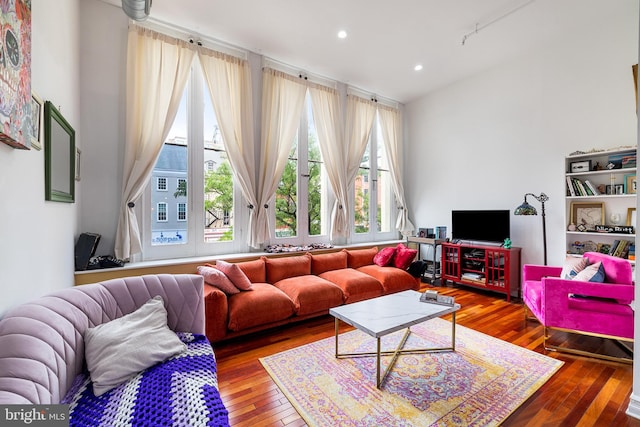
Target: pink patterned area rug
481,383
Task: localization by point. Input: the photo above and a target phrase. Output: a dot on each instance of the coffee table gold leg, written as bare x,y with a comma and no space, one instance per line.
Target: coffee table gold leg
378,367
453,332
337,337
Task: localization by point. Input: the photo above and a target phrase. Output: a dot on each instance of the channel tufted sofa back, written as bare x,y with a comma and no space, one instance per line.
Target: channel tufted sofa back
41,342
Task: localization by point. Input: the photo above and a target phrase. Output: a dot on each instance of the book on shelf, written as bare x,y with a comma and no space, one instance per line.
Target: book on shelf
433,297
592,187
572,191
614,245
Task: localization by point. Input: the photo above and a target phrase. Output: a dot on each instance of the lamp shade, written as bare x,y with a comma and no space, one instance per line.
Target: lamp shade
138,10
525,209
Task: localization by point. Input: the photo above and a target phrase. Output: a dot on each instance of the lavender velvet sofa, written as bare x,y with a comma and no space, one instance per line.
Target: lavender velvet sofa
589,308
41,342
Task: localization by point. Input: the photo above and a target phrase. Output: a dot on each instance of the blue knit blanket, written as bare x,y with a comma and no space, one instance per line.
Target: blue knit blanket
182,391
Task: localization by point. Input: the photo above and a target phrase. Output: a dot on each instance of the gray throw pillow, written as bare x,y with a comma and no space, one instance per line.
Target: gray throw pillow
118,350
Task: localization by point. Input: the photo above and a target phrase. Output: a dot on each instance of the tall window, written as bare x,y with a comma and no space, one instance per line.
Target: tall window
374,202
303,192
194,158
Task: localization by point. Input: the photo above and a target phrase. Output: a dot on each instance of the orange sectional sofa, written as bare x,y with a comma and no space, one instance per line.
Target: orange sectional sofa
294,288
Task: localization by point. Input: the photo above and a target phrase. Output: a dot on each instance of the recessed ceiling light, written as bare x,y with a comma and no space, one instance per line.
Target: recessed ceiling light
418,67
342,34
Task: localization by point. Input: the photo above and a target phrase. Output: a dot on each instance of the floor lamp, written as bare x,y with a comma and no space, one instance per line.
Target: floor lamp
526,209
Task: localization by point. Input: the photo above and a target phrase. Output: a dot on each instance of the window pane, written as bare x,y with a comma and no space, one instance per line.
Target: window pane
218,181
317,189
383,190
170,172
361,208
287,196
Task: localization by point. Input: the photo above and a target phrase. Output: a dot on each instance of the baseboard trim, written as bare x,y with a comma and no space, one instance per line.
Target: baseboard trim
633,410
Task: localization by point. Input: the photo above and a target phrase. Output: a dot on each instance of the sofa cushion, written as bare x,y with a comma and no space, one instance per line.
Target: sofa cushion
311,294
403,256
254,270
117,350
355,285
384,257
572,266
326,262
264,304
285,267
356,258
393,279
217,278
235,274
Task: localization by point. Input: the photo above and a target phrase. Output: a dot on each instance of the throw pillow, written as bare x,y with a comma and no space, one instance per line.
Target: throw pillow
235,274
384,257
217,278
573,266
591,273
118,350
404,256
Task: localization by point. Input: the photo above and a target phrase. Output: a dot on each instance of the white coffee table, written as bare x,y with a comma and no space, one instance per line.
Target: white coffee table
381,316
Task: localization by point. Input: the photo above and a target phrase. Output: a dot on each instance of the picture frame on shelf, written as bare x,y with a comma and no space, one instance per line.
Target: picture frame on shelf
615,189
422,232
37,114
631,217
630,185
587,214
581,166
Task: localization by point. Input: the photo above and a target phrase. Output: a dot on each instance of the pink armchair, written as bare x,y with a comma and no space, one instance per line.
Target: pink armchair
589,308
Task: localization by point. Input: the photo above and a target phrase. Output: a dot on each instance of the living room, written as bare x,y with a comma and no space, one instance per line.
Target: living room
479,143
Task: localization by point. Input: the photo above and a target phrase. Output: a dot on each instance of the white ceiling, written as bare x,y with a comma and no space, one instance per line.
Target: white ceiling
387,38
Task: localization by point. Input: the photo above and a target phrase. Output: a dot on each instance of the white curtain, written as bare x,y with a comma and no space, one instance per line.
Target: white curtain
157,70
328,120
391,132
359,121
282,102
229,82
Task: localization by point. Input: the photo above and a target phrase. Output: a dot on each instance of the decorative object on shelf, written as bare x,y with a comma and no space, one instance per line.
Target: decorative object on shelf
526,209
587,214
138,10
620,229
507,243
631,217
614,218
630,186
59,156
571,227
441,232
15,69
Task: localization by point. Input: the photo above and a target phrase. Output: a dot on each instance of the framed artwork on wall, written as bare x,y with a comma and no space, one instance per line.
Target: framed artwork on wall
59,156
15,68
37,113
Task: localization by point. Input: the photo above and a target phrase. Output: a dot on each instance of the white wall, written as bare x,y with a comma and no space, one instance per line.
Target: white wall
484,142
103,48
37,237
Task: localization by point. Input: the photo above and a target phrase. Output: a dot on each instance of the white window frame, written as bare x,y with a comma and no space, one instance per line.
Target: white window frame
373,235
302,170
195,246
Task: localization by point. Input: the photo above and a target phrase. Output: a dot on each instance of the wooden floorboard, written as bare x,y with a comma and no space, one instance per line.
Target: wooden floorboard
584,392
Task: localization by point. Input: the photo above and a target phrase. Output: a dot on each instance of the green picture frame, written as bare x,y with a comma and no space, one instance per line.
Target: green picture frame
59,156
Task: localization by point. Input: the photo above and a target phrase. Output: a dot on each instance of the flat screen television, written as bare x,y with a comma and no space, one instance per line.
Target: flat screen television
480,225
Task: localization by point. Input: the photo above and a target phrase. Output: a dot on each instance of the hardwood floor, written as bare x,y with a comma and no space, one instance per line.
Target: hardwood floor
584,392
